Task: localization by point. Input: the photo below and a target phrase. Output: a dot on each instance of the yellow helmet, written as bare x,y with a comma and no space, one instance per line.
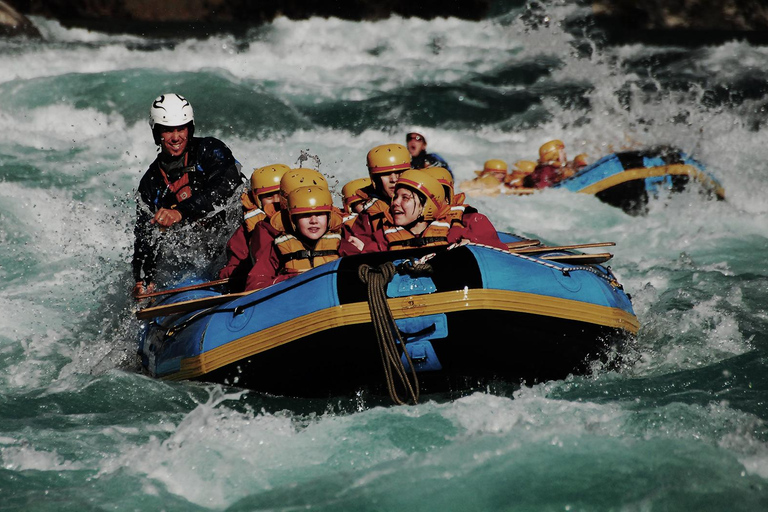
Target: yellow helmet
312,199
349,192
550,151
266,180
580,160
388,158
418,180
445,178
524,166
301,177
494,166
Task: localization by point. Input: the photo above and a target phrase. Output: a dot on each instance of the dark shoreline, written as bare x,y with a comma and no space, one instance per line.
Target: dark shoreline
205,17
687,23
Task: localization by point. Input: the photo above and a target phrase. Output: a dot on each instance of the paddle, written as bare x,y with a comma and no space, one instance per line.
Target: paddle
522,243
187,305
583,259
546,248
183,289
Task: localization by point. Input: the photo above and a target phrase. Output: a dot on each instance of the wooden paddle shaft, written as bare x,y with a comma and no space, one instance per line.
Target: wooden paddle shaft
184,288
547,248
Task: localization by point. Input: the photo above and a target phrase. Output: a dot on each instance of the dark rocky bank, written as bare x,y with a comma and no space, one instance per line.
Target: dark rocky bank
682,22
649,21
203,17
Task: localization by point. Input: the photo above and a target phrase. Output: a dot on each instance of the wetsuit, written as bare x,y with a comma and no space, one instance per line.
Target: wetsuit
196,183
424,160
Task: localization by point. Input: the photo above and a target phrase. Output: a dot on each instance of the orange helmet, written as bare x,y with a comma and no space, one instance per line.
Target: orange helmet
349,192
494,167
520,169
550,151
266,180
301,177
312,199
580,160
388,158
524,166
419,181
445,178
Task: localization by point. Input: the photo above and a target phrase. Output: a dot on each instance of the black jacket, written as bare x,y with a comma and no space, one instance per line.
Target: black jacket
424,160
214,177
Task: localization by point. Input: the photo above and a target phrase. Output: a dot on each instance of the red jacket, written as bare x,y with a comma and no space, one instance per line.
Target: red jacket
543,176
367,221
476,228
266,259
238,256
473,226
238,261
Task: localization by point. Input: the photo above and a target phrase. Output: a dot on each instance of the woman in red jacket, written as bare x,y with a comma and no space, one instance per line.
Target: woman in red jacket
420,216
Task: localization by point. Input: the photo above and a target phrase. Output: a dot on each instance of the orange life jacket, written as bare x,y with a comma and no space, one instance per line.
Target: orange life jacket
180,187
377,209
400,238
457,210
252,214
295,257
349,219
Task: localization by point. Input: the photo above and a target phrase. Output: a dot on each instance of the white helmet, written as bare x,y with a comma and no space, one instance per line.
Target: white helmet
171,110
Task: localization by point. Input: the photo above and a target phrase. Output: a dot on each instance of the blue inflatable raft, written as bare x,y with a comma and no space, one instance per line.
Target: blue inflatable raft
465,316
629,179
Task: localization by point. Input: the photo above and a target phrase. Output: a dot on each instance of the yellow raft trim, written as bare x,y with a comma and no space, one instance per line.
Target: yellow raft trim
652,172
403,307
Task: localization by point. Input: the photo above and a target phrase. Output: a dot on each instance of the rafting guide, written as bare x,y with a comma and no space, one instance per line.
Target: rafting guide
182,199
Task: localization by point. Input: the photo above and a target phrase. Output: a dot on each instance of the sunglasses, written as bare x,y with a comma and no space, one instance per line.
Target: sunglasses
414,136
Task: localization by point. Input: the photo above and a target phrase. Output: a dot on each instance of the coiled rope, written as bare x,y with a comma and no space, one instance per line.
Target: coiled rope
387,331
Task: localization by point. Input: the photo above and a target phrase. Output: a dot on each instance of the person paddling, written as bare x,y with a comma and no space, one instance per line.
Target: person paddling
190,178
259,203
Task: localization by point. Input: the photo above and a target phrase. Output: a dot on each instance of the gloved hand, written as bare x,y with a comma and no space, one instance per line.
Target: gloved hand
140,289
166,217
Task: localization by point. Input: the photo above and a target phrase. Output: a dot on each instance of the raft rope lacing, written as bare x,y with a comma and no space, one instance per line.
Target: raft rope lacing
565,270
387,333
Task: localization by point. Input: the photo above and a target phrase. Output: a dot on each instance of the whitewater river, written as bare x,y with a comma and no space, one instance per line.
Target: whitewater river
682,428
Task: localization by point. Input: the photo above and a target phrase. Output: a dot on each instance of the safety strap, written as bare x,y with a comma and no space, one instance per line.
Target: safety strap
419,242
307,254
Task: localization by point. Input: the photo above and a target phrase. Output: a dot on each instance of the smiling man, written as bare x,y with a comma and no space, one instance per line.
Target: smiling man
190,178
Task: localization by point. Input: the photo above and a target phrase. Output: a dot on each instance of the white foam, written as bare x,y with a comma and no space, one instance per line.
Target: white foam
25,457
